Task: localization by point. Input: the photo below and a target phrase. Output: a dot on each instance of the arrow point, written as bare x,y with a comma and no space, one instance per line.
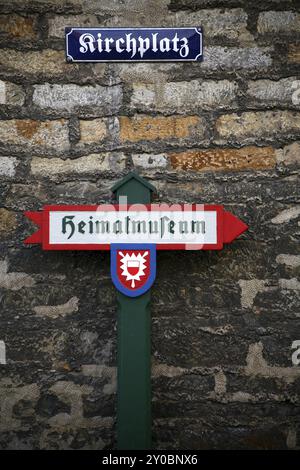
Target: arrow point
232,227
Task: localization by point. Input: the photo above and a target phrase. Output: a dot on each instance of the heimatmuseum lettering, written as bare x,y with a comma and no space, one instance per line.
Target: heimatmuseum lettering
163,226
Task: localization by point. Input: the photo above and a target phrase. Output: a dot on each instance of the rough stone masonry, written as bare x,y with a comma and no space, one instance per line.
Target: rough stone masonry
225,131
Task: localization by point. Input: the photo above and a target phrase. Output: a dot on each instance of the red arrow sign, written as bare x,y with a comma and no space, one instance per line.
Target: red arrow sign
175,227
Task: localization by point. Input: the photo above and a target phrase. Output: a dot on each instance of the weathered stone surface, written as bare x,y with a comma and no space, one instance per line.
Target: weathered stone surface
218,58
289,155
227,24
57,24
31,133
292,261
259,385
18,27
13,395
132,6
79,5
264,93
47,62
93,164
11,93
293,284
183,97
8,166
13,281
192,386
41,6
8,222
149,128
261,436
196,352
143,13
70,97
246,158
251,126
287,22
143,72
176,5
249,291
22,197
294,54
92,131
286,215
2,352
49,405
149,162
56,311
257,365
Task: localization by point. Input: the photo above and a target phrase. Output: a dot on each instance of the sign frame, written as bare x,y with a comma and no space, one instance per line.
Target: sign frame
45,229
70,59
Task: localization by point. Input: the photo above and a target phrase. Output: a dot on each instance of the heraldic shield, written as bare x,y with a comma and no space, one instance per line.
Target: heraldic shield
133,267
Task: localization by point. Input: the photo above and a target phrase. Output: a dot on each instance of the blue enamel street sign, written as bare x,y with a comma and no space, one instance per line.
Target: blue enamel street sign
133,44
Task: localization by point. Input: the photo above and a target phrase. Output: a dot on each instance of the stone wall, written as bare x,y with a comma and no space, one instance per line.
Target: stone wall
225,131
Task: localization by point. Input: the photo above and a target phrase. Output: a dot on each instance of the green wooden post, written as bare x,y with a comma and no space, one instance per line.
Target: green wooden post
134,345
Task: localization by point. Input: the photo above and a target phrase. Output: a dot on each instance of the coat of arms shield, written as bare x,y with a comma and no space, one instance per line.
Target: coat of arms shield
133,267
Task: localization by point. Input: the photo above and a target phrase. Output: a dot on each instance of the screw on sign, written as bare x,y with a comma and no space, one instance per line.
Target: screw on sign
133,232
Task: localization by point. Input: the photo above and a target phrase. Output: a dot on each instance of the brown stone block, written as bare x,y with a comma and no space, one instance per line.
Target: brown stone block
294,54
224,159
32,133
16,26
153,128
8,221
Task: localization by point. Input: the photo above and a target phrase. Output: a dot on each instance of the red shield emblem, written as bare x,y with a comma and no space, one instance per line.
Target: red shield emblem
133,268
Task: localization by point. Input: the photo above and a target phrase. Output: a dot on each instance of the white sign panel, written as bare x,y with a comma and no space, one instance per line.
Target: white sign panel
158,227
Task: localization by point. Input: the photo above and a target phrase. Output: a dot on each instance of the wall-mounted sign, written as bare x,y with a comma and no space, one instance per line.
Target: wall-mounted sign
133,44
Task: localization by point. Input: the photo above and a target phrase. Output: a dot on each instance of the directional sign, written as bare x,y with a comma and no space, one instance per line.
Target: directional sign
133,44
169,227
133,231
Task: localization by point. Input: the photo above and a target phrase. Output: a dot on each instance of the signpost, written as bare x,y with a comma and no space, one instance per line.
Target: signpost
134,345
133,230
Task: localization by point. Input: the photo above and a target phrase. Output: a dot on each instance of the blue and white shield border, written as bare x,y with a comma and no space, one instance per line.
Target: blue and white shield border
114,248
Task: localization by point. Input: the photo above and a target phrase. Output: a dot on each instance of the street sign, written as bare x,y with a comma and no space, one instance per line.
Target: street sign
133,230
168,227
133,44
